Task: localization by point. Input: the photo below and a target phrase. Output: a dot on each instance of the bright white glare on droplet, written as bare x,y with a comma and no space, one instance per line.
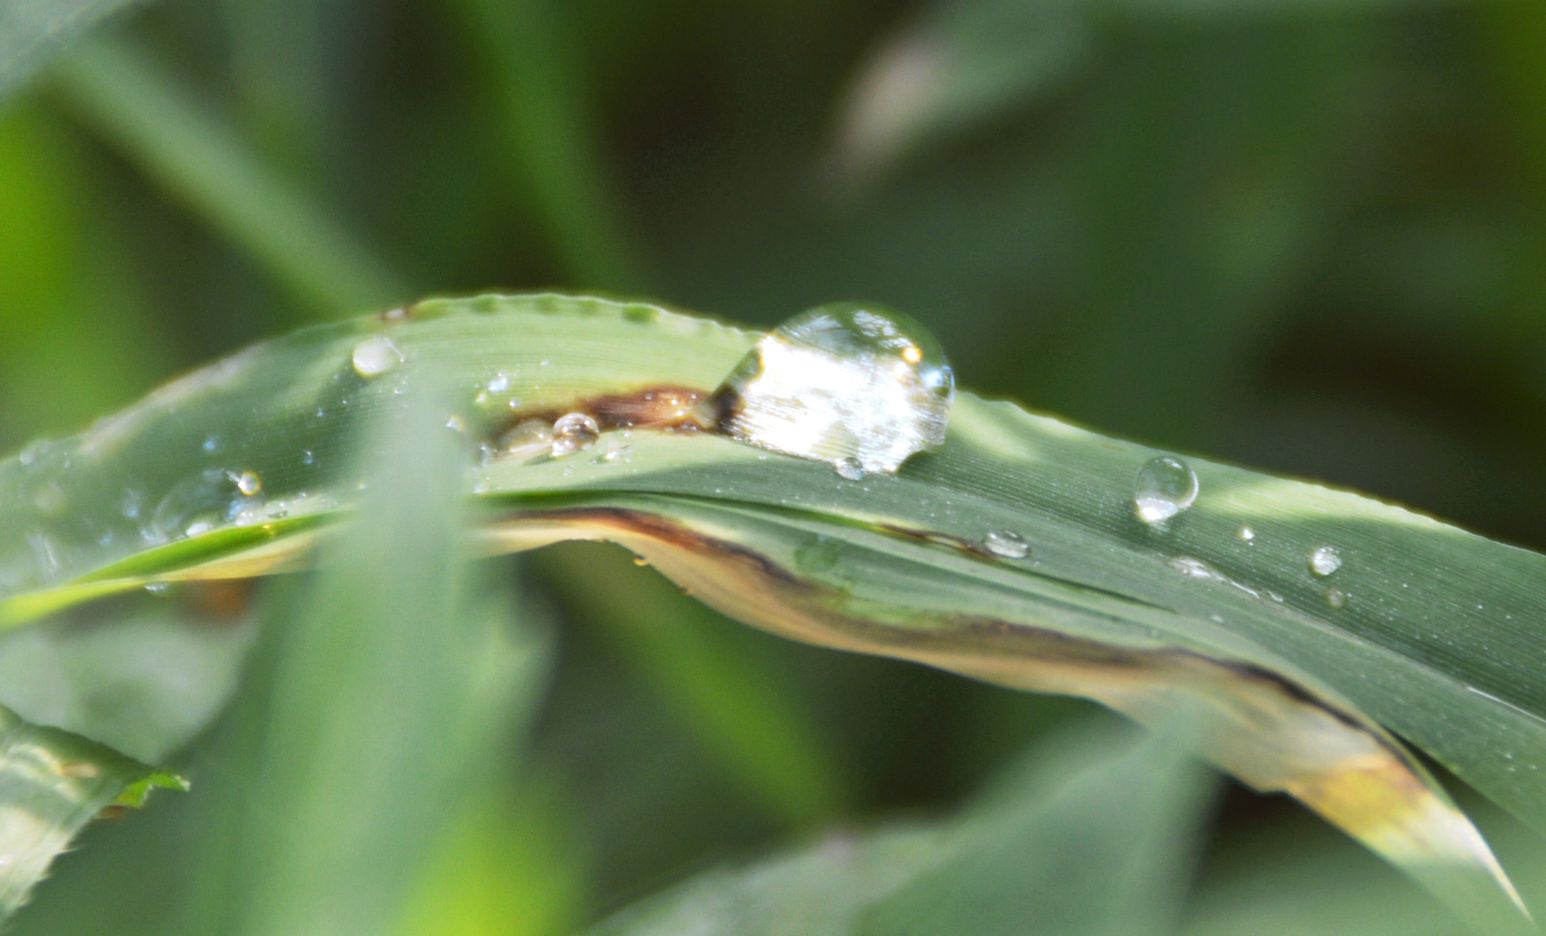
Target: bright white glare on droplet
1165,487
374,356
573,432
847,384
249,483
1325,560
1006,544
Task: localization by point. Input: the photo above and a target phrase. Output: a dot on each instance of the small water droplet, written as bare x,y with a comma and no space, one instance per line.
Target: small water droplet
1006,544
1336,597
619,452
499,383
1325,560
249,483
850,469
1246,534
527,439
455,423
157,588
308,457
210,444
573,432
841,382
1196,569
1166,486
374,356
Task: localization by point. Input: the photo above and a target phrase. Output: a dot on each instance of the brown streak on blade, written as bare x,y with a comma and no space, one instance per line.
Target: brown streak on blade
667,407
1270,731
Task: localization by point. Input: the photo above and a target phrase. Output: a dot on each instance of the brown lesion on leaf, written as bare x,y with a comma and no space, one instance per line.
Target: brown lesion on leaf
936,538
661,407
1272,731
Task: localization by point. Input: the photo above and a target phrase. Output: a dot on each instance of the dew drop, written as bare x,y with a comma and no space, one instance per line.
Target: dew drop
529,438
840,383
157,588
1246,534
210,444
621,452
308,457
203,502
1336,597
573,432
249,483
375,356
1196,569
1006,544
1166,486
849,469
1325,560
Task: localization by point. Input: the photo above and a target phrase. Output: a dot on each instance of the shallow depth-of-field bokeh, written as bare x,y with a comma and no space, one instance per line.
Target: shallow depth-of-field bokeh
1305,235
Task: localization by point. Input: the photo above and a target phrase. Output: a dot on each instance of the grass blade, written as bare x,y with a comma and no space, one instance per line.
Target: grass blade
51,784
373,711
33,31
1000,867
127,98
1429,633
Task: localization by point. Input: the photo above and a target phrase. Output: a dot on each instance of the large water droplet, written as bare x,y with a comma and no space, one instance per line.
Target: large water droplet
573,432
1166,486
842,382
375,356
1006,544
1325,560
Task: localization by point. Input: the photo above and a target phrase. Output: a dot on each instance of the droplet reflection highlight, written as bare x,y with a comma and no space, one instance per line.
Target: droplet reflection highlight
855,385
1325,560
1166,486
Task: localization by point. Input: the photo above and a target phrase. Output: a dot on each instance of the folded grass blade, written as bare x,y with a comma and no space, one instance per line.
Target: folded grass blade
1423,632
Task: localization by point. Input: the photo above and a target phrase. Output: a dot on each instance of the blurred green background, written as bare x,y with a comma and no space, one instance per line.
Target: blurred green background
1305,235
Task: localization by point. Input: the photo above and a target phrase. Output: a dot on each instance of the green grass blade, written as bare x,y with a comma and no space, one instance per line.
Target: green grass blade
373,712
33,31
554,150
51,784
143,677
765,739
128,99
1430,632
1001,867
